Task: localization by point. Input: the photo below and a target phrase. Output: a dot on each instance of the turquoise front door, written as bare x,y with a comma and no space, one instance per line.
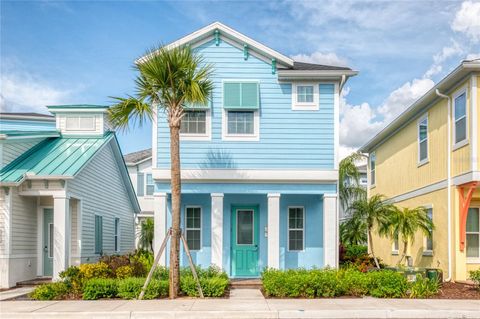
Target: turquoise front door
47,242
245,241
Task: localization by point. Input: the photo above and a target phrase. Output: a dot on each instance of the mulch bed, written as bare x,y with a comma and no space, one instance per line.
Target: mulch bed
454,290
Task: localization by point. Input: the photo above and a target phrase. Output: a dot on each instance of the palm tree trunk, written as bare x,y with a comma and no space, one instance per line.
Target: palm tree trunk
405,246
370,242
174,276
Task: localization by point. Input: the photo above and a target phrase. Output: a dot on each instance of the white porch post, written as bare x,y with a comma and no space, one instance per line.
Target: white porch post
61,234
160,223
274,230
330,230
217,229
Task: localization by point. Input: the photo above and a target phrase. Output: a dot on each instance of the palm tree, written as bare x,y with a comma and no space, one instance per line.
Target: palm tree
405,222
375,212
353,231
348,175
146,234
168,80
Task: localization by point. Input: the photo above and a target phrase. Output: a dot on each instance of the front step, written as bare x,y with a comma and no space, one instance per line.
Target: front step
34,282
245,284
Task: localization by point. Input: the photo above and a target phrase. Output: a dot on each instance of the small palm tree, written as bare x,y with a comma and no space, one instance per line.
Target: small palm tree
375,212
348,175
353,231
146,233
168,80
405,223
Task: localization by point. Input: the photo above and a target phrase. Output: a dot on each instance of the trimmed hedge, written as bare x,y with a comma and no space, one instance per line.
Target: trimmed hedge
52,291
130,288
98,288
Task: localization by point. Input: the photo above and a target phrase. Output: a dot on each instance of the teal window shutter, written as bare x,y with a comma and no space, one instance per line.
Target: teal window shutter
241,95
140,184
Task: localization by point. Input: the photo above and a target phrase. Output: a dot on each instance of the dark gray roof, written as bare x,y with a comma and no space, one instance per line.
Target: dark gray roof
27,114
316,67
138,156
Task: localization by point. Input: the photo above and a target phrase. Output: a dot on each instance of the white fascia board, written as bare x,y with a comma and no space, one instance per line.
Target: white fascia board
229,32
27,117
139,162
249,175
78,110
314,74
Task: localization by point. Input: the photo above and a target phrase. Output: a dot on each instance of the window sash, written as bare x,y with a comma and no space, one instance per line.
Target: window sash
296,228
423,140
194,123
473,233
193,227
429,238
117,234
98,234
240,122
373,160
149,185
460,116
305,94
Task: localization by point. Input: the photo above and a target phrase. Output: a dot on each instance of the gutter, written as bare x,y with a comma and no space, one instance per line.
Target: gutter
449,182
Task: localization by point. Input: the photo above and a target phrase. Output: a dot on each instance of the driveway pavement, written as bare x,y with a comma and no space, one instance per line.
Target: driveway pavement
243,304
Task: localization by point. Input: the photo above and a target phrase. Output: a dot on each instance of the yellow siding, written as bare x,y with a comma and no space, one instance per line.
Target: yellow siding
478,122
397,169
438,201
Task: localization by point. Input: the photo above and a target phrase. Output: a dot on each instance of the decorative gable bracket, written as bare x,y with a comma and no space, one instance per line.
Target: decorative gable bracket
464,205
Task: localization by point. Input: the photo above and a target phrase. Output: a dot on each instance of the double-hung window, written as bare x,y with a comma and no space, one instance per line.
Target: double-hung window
429,239
373,160
150,185
296,228
117,234
460,117
473,233
98,234
423,140
241,104
305,96
193,229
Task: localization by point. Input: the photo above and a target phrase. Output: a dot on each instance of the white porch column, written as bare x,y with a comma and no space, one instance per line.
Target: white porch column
330,230
217,229
274,230
160,224
61,234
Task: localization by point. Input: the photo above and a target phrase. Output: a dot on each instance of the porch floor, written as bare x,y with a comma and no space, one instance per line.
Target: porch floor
34,282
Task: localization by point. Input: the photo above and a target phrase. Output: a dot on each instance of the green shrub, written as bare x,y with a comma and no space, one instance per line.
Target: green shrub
51,291
141,261
73,278
423,288
355,251
97,288
130,288
475,277
211,286
123,272
115,261
387,284
354,282
326,283
97,270
160,273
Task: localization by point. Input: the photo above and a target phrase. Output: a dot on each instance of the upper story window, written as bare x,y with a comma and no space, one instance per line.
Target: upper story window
80,123
373,159
240,114
460,117
150,185
423,140
305,96
194,122
473,233
145,184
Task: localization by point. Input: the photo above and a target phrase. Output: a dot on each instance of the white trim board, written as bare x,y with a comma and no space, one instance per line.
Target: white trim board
474,125
419,191
248,175
467,177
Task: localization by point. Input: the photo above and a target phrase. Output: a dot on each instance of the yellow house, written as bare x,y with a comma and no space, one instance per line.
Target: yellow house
429,156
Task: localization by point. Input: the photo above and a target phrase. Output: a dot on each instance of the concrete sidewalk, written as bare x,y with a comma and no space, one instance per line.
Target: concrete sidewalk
243,307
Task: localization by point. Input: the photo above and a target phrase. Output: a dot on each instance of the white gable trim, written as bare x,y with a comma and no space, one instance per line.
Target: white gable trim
227,32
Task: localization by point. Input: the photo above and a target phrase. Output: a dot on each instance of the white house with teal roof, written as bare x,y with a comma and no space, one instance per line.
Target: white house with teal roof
65,193
259,163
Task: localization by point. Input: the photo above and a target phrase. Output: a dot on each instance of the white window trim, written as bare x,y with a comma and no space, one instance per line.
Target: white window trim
207,136
424,161
472,260
117,235
306,106
427,252
369,177
288,229
457,145
201,226
395,252
241,137
79,127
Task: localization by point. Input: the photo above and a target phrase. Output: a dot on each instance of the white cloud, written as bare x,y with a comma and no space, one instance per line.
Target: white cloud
321,58
24,92
439,59
467,20
472,56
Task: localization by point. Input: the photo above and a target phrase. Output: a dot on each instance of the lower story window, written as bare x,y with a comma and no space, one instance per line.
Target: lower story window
429,239
296,228
193,229
117,234
98,234
240,122
473,233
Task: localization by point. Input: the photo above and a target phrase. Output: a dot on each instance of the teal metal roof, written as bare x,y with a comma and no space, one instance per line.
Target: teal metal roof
63,156
78,106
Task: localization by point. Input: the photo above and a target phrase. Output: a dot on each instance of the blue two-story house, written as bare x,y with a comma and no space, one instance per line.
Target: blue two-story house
259,163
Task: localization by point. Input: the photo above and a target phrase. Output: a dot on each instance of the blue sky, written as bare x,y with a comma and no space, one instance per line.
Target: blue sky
56,52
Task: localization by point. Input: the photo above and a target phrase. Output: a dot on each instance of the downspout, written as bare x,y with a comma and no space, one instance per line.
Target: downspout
449,183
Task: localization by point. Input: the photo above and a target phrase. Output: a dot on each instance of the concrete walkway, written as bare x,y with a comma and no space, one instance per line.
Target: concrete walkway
15,292
243,304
